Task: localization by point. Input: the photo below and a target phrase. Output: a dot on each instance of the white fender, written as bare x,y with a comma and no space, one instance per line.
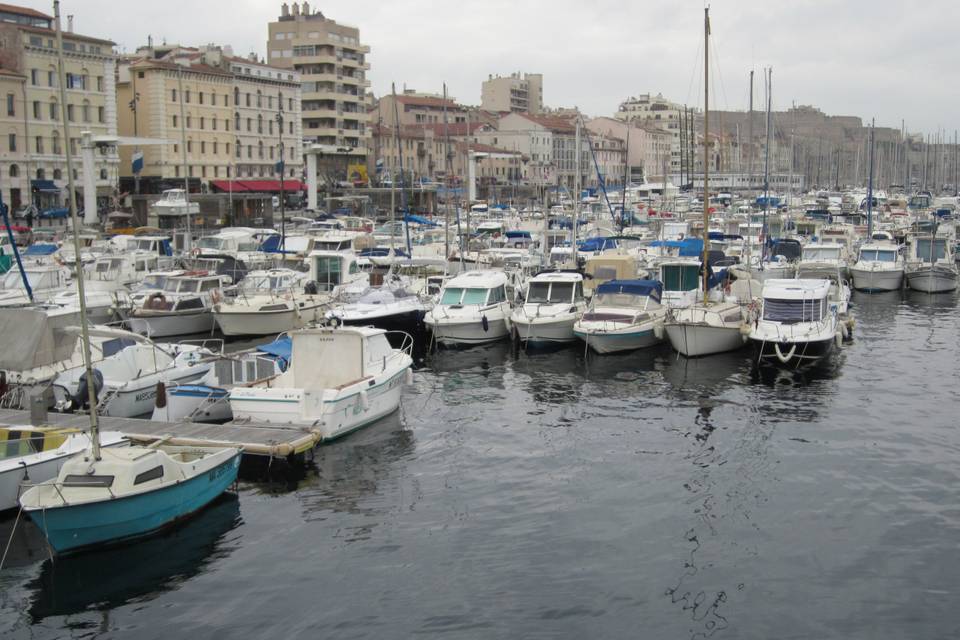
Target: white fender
408,376
784,358
839,338
364,401
658,330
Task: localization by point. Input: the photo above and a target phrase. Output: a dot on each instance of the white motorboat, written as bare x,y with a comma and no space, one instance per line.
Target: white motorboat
207,399
930,266
682,284
473,309
46,281
29,455
337,274
879,267
797,325
184,306
363,387
703,329
391,307
268,303
553,303
623,315
823,259
127,380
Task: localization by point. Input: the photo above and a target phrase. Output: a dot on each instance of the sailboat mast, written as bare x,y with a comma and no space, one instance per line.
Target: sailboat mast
447,171
81,296
706,145
626,179
766,165
576,202
750,134
870,186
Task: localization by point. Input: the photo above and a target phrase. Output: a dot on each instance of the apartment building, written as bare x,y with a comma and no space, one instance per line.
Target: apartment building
549,143
33,150
522,93
412,108
645,151
223,108
659,113
332,63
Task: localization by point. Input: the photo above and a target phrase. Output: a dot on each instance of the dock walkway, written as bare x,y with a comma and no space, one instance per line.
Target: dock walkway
255,439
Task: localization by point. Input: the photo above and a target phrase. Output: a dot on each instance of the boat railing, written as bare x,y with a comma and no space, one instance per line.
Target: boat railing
215,344
405,348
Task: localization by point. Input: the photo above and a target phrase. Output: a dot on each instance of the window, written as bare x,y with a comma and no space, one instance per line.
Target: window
291,127
213,99
200,97
215,146
14,171
100,84
101,114
11,105
290,104
186,95
203,146
189,146
88,481
213,123
236,96
201,122
34,77
203,171
248,98
260,150
41,174
57,174
70,112
249,124
51,78
12,142
190,170
39,143
236,121
36,110
173,95
86,112
188,122
174,120
53,110
146,476
103,174
259,123
176,171
249,150
270,127
56,143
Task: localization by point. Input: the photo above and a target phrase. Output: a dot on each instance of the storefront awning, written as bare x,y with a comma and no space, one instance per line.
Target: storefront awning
45,186
257,186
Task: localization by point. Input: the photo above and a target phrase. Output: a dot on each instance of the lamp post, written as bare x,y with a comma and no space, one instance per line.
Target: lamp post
280,168
137,156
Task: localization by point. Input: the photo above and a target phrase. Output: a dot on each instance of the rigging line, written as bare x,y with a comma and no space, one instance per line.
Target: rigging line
717,73
695,73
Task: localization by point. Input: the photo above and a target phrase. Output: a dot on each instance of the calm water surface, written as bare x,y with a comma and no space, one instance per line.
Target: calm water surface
553,495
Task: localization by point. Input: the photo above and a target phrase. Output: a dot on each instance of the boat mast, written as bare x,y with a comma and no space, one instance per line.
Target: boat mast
706,145
626,179
870,187
397,129
577,188
750,134
81,296
447,171
183,147
766,166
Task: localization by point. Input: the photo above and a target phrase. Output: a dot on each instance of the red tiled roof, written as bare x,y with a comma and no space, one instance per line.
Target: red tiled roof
553,123
23,11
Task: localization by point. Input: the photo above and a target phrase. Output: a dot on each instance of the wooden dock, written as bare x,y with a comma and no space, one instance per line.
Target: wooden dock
254,439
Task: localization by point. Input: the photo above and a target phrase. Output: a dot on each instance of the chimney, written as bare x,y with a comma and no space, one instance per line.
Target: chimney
296,9
306,8
284,10
70,24
150,42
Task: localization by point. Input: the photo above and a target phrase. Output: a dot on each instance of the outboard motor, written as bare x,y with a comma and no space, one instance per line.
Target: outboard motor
311,288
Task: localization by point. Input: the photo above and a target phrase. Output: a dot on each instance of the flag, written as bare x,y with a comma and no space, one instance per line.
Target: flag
278,168
137,161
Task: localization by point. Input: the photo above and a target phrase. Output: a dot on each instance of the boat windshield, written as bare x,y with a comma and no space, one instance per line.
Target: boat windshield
474,296
265,283
452,296
538,293
821,253
561,292
37,279
794,311
154,282
211,242
937,252
619,300
878,255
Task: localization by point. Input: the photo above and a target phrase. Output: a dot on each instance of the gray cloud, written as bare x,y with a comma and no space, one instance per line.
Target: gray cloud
893,60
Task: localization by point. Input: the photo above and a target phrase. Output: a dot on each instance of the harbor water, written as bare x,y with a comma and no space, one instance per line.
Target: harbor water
559,495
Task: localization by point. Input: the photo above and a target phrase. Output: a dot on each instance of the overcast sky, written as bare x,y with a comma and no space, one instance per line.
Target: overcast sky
889,59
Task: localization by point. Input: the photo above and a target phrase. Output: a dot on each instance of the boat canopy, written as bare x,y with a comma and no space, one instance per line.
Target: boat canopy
279,348
651,288
41,249
410,217
689,247
597,244
30,338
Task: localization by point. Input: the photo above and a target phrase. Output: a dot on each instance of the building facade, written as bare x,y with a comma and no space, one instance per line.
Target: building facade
517,92
645,148
332,63
221,110
33,149
656,112
412,108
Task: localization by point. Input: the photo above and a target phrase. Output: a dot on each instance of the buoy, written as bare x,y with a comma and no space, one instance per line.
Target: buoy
485,324
365,400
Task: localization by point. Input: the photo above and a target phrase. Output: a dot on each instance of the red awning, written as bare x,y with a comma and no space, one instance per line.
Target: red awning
258,186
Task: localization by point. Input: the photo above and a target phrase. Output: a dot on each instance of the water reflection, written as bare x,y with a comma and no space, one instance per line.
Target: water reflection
348,472
931,303
108,578
710,376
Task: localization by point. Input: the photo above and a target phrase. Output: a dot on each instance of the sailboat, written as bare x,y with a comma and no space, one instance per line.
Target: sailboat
706,327
108,495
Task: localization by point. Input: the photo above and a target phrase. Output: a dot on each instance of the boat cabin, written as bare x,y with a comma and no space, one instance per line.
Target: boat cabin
795,301
475,287
332,269
555,287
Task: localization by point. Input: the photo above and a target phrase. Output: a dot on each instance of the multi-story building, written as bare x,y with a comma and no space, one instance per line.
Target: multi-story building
417,108
32,152
516,92
646,148
332,64
549,143
423,148
659,113
223,108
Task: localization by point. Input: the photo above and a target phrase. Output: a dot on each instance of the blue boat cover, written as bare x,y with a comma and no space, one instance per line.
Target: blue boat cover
652,288
271,244
518,234
41,249
62,212
597,244
716,278
280,348
410,217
